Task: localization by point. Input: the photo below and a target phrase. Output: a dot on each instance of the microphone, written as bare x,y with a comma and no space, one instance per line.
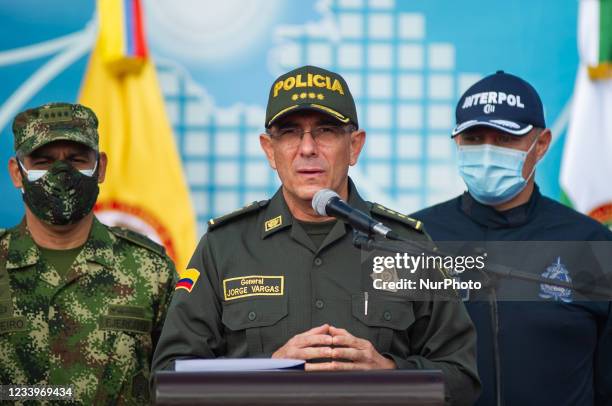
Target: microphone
328,203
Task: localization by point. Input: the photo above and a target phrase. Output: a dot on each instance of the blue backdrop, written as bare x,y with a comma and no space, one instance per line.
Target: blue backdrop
406,62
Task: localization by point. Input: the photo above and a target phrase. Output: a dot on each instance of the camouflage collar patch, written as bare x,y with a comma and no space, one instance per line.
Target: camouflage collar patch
99,245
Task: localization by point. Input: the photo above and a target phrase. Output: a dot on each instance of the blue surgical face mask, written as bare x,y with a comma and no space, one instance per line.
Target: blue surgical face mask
493,175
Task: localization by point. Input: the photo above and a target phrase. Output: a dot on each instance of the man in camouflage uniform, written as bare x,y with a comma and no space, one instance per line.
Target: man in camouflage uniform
81,304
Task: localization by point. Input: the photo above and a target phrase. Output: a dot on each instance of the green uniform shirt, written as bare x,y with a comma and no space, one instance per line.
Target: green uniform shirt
96,328
317,231
60,260
262,280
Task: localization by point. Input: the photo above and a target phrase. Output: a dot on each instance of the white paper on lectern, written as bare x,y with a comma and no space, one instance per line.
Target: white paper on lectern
237,364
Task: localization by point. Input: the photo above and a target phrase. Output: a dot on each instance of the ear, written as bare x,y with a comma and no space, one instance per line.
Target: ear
357,141
266,144
543,143
102,167
13,167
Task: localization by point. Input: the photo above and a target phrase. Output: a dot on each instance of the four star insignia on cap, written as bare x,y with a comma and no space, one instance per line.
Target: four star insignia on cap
56,114
304,95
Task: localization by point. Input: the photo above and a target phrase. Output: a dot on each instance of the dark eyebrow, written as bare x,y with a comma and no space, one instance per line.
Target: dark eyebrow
78,154
285,124
327,121
40,155
472,132
319,122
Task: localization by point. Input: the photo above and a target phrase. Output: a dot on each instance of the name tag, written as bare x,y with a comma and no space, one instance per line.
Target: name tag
12,324
125,324
253,285
130,311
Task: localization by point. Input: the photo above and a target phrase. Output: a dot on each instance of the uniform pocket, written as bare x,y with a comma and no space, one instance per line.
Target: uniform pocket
256,323
127,366
253,313
386,316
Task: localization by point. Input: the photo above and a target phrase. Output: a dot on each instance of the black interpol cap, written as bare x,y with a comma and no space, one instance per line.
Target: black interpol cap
311,88
502,101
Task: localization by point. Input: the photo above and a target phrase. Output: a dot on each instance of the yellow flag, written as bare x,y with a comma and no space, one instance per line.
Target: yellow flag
145,188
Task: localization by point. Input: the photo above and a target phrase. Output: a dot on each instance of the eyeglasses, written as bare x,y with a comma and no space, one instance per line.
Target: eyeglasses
323,135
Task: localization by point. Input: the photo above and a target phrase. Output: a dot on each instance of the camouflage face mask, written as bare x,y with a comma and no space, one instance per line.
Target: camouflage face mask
63,195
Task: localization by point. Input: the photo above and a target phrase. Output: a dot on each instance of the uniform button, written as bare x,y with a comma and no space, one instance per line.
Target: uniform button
318,261
252,316
319,304
387,316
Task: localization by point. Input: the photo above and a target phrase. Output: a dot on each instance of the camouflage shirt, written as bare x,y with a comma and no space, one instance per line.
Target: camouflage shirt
96,328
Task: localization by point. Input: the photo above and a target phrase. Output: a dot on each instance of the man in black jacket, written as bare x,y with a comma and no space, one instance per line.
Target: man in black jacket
558,350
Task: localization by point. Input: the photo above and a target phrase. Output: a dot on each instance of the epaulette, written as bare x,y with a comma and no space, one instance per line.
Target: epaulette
249,208
392,214
138,239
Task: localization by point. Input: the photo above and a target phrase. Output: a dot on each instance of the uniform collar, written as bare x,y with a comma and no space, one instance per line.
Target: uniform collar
99,245
23,251
489,217
277,217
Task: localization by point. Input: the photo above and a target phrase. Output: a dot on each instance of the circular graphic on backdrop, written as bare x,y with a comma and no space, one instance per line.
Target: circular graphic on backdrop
208,32
117,214
603,214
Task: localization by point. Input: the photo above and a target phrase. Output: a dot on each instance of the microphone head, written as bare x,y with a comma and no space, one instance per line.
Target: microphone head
321,199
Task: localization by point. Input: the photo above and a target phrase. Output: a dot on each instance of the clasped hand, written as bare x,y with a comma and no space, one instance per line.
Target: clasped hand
345,351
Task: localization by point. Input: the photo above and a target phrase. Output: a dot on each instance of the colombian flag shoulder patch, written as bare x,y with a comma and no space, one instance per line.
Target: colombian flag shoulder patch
187,279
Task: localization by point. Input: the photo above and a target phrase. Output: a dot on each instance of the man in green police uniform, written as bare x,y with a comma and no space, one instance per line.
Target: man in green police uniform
81,304
276,280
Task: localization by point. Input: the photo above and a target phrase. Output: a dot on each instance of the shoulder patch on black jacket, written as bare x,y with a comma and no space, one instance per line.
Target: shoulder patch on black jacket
138,239
383,211
227,218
